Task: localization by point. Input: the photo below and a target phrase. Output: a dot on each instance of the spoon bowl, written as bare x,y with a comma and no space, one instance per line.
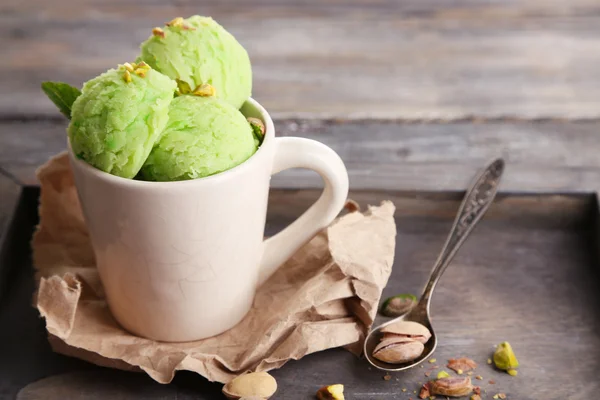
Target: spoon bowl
474,205
373,338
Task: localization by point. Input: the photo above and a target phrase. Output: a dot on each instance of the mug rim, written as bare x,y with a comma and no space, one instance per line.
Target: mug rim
118,180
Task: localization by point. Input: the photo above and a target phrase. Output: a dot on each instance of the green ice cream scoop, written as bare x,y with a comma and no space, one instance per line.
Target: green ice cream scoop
198,50
119,116
204,136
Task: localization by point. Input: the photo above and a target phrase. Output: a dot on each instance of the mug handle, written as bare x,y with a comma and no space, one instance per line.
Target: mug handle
293,152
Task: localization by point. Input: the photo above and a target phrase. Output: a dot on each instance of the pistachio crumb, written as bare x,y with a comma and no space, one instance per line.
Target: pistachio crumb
127,76
128,67
387,377
501,396
489,361
443,374
512,372
178,22
183,87
470,373
204,90
492,382
432,360
479,377
141,72
158,32
460,371
404,389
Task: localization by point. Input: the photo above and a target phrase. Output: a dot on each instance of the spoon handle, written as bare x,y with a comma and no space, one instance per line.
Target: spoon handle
476,202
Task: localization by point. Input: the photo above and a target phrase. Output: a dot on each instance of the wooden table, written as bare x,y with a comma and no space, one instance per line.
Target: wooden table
415,96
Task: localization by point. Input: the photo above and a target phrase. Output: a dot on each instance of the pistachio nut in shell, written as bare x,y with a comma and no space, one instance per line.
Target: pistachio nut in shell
398,350
408,329
453,387
331,392
396,306
255,384
504,357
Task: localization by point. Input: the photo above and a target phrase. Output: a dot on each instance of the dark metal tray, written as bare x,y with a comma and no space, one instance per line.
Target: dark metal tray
528,275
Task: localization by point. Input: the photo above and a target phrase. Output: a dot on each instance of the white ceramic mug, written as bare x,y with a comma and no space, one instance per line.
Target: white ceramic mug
181,261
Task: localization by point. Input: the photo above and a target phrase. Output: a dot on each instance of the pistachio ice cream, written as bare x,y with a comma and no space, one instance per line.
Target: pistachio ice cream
172,115
119,116
198,51
205,135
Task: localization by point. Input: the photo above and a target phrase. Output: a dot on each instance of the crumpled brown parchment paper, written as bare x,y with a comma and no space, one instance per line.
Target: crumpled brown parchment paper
325,296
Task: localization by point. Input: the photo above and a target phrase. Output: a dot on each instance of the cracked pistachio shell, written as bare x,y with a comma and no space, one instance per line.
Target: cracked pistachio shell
455,387
253,385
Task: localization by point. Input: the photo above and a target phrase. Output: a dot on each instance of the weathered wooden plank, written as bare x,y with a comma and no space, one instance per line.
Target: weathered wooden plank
363,58
543,157
524,210
9,194
531,283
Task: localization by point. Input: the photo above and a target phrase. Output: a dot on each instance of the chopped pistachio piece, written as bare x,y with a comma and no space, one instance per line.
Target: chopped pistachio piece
183,87
331,392
504,357
204,90
158,32
443,374
127,76
178,22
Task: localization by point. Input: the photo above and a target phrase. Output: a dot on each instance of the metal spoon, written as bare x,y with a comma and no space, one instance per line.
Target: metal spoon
476,202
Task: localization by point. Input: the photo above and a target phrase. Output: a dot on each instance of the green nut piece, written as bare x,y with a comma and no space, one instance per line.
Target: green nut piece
443,374
396,306
504,357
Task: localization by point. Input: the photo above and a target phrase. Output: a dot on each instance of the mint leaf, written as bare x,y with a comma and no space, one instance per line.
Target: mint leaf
62,95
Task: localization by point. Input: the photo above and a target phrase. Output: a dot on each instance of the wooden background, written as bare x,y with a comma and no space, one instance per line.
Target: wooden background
392,59
415,95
